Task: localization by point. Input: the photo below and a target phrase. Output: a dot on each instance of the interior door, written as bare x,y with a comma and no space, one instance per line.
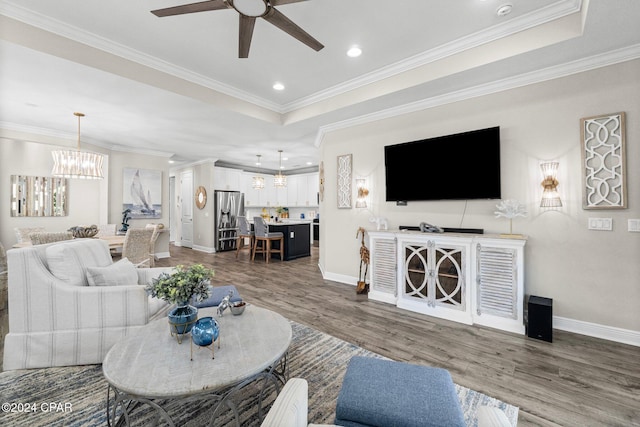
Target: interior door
186,215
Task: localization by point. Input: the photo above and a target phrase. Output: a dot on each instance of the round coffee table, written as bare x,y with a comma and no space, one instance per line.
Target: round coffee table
150,367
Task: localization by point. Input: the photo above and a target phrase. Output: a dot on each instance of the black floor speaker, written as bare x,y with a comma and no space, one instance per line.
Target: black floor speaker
540,325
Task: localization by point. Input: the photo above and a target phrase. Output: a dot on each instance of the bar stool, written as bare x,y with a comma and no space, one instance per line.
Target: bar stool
244,232
262,235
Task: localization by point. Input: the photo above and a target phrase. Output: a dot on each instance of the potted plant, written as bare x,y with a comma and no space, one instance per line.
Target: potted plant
179,288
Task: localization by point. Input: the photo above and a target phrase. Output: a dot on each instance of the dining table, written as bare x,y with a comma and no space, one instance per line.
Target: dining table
115,241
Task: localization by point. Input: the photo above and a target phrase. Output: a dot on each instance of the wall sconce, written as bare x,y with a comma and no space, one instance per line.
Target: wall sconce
550,196
363,192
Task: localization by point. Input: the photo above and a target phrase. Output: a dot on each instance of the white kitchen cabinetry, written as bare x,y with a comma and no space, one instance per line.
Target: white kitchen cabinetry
472,279
302,190
227,179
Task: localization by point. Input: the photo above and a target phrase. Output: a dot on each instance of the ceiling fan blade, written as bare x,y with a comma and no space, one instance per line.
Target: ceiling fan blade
285,24
246,32
280,2
202,6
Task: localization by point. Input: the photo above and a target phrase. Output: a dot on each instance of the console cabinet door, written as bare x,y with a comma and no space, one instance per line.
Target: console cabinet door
499,293
435,274
383,283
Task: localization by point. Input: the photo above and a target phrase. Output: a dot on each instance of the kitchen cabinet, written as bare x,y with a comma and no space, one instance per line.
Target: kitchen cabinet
226,179
297,239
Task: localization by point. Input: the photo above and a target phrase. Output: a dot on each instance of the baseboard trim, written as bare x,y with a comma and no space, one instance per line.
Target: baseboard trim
610,333
205,249
160,255
624,336
340,278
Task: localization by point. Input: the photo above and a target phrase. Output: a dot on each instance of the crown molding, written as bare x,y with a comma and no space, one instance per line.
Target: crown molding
573,67
93,40
541,16
549,13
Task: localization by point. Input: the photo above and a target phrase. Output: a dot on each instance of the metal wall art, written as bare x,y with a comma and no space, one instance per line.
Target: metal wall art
38,196
344,181
604,161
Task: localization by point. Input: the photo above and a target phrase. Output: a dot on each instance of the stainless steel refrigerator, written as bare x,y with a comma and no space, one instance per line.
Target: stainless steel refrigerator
228,206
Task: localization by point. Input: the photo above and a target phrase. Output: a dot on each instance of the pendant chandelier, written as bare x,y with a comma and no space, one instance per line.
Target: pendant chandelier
76,163
280,180
257,182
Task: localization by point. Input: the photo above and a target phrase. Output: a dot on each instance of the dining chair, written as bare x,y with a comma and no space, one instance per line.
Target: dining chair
43,237
137,246
262,235
152,245
244,232
22,233
107,230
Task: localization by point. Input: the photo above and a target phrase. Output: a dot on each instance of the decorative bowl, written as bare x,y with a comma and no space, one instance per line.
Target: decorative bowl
237,308
84,232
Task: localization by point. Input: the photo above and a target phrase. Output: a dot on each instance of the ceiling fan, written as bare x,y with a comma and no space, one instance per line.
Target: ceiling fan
249,10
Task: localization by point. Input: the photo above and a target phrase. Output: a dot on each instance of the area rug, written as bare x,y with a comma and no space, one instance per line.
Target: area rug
76,396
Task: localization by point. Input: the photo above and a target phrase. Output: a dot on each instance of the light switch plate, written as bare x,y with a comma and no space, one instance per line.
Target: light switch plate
602,224
634,225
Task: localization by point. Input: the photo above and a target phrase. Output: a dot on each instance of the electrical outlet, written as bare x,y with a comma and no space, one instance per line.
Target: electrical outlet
602,224
633,225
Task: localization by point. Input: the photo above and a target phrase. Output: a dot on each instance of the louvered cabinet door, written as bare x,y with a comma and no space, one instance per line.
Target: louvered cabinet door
499,286
383,268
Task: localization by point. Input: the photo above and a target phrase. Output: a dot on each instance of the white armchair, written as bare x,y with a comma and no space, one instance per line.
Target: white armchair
57,319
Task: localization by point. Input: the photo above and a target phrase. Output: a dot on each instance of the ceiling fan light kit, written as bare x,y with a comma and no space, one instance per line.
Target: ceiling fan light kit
249,10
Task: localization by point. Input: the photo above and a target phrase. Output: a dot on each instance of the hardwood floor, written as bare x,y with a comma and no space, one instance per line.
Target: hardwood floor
574,381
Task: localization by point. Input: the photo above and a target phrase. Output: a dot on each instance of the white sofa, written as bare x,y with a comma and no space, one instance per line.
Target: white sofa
290,409
69,303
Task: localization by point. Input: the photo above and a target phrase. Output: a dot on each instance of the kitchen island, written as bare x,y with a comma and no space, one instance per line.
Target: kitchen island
297,238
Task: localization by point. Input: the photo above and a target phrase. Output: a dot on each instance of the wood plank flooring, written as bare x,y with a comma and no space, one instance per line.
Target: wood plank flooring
574,381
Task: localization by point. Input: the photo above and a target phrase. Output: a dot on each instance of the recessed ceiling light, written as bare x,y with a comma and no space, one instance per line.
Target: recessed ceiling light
309,163
172,161
354,52
285,158
505,9
278,86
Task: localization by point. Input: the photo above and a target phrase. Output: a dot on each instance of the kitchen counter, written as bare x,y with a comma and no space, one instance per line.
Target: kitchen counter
297,238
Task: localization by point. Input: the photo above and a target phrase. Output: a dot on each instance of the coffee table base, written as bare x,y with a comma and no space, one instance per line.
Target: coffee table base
277,374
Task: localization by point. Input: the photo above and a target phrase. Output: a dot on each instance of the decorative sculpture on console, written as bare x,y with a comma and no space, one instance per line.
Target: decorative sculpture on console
510,208
224,304
381,223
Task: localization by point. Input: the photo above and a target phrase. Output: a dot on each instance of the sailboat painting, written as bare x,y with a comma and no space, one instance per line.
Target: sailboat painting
142,192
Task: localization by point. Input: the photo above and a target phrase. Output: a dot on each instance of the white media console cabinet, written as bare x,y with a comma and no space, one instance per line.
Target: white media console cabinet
467,278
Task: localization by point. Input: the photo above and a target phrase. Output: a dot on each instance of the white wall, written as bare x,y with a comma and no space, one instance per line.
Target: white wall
90,201
593,276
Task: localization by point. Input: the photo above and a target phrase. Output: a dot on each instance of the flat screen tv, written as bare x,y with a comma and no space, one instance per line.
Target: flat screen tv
462,166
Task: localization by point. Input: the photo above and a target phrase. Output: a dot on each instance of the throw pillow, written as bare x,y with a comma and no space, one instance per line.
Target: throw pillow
68,261
121,273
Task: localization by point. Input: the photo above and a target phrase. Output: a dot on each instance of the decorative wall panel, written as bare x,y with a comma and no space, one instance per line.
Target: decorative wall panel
344,181
603,161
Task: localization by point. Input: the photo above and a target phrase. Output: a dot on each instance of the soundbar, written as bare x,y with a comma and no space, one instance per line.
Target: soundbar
447,229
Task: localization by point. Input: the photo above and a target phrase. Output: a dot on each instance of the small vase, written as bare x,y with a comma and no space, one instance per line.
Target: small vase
205,331
182,318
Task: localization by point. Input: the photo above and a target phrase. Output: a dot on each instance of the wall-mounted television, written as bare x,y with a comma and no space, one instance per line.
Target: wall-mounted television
461,166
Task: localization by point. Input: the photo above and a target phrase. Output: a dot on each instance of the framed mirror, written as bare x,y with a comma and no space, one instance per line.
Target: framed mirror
201,197
38,196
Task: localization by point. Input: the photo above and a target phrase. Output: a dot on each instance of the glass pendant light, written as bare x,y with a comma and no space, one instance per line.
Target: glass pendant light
76,163
257,182
279,180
